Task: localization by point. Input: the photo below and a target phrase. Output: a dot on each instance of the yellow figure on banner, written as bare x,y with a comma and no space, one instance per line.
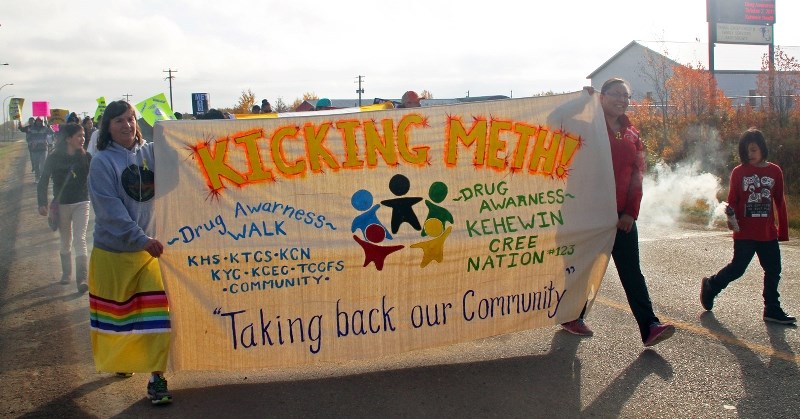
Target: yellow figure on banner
433,249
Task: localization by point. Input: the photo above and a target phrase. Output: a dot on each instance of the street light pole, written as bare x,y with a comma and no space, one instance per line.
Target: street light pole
5,118
4,112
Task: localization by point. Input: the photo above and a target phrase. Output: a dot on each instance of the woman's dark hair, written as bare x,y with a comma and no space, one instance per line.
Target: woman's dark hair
612,81
65,131
113,110
752,136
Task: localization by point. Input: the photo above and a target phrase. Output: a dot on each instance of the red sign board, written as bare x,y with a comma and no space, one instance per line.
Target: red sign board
745,12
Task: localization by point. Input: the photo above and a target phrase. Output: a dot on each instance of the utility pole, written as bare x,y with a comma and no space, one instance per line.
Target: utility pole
127,97
170,77
360,89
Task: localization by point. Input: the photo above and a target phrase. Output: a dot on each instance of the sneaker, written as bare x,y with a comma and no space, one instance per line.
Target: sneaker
778,316
83,287
658,333
157,391
577,327
124,374
706,296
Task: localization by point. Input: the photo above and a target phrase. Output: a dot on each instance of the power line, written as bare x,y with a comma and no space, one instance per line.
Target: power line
127,97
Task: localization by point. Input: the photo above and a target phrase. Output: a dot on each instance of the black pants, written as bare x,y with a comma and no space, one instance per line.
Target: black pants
769,256
626,259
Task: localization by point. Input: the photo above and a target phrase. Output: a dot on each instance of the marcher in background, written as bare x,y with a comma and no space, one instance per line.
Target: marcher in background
73,118
25,129
68,166
124,273
88,130
213,114
37,136
410,100
627,158
756,194
265,106
255,109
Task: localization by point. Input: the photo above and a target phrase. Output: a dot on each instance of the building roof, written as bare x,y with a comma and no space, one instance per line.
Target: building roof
632,44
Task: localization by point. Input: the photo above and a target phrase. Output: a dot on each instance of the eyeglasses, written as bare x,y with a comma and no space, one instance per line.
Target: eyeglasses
618,96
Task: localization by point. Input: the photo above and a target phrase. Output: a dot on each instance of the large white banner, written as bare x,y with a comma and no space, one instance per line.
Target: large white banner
336,236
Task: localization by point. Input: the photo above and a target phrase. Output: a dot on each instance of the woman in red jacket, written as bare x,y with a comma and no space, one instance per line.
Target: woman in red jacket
627,157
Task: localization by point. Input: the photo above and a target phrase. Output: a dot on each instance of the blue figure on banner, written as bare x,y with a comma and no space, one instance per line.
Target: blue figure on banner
362,200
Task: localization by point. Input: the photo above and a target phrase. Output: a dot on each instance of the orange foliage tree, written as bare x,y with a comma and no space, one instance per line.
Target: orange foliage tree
689,124
695,95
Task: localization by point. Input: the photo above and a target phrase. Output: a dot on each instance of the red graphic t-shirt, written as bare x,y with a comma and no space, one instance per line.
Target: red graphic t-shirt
756,193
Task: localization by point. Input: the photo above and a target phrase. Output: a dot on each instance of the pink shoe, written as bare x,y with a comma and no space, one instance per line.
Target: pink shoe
577,327
659,332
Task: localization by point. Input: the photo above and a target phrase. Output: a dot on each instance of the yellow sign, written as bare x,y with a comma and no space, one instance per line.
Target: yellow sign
155,109
15,108
101,107
58,116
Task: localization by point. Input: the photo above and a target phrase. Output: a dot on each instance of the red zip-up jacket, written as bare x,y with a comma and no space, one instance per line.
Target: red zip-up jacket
627,157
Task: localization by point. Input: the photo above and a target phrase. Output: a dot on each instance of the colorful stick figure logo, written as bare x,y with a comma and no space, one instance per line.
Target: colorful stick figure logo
401,211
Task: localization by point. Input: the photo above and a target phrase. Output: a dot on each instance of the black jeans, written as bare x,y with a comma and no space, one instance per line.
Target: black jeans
769,256
626,259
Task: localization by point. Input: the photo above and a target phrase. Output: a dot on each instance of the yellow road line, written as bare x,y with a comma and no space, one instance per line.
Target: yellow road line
726,338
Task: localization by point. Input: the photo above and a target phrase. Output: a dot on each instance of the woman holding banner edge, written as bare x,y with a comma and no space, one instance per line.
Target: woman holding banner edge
627,156
128,306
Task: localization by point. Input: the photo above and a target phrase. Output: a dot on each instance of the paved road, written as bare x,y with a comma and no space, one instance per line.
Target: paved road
728,363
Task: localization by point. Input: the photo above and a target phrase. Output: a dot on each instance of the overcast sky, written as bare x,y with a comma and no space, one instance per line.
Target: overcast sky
70,53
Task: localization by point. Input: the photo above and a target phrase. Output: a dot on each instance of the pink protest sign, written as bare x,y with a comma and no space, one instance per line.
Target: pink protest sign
41,109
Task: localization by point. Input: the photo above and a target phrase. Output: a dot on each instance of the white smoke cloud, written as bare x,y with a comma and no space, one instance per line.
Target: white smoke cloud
667,191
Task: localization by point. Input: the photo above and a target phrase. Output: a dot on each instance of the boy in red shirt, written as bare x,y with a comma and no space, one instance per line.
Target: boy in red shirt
756,192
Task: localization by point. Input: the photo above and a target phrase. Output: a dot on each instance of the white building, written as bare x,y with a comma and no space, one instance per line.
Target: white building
640,66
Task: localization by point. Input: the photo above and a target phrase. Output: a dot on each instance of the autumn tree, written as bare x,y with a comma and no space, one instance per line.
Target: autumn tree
694,93
426,95
280,106
780,83
246,102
